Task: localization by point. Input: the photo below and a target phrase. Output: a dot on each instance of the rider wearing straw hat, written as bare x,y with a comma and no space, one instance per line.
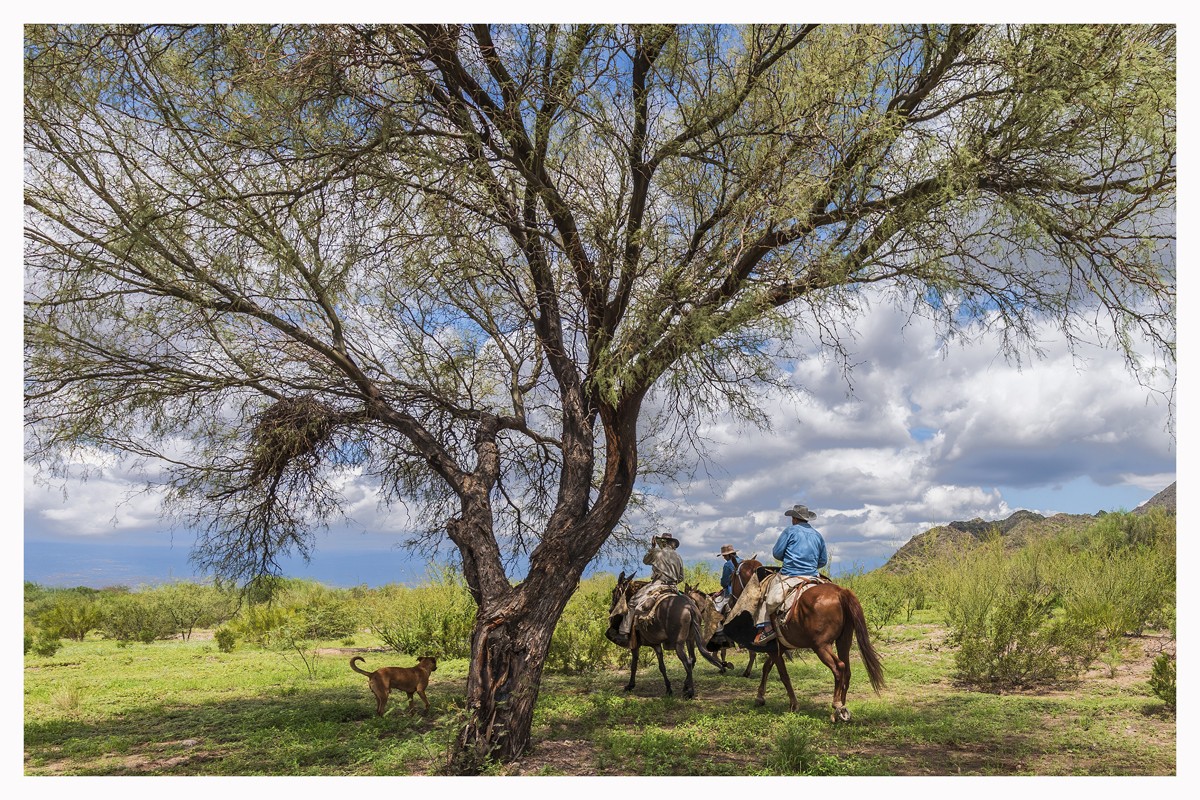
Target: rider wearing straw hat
801,548
666,570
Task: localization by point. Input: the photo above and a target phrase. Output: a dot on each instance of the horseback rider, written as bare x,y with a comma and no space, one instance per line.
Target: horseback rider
728,570
801,548
666,571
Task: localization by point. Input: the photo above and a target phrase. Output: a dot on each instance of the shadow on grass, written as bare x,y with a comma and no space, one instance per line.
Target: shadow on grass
302,732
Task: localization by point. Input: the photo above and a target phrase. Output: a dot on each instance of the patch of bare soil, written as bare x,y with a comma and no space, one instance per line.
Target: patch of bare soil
350,651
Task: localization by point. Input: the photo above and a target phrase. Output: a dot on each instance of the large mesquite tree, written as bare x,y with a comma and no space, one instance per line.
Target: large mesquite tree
458,260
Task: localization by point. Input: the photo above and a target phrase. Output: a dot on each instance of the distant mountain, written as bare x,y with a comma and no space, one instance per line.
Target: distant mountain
1015,531
1164,499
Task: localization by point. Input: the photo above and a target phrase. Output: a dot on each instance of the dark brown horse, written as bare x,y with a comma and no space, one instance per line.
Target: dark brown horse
674,622
715,640
825,617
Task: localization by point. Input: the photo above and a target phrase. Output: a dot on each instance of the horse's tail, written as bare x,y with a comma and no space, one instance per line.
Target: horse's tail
356,668
853,609
698,636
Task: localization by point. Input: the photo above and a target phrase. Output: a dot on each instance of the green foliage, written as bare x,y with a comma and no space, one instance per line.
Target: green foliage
795,753
1045,610
72,615
433,619
189,606
45,643
579,644
1162,678
1003,612
254,623
701,575
886,597
225,638
321,612
135,617
1119,574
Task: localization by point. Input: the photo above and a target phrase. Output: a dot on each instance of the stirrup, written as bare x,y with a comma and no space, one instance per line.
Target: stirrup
764,636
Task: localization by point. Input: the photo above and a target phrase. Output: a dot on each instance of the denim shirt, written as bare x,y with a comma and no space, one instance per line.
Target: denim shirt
727,572
801,549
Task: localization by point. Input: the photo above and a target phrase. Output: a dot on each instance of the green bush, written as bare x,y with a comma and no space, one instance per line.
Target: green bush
886,597
1119,575
226,639
434,619
134,617
72,614
1004,613
255,623
579,643
321,612
189,606
1162,678
45,643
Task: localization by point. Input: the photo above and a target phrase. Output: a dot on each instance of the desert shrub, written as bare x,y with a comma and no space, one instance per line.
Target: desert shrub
318,611
72,615
254,623
1003,610
45,643
134,617
579,643
1162,678
886,597
226,639
433,619
1119,574
701,575
189,606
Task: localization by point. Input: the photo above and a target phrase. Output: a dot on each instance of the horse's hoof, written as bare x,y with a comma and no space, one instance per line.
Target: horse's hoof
760,701
629,687
840,715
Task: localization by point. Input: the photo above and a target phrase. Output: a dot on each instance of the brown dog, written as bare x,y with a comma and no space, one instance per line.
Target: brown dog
406,679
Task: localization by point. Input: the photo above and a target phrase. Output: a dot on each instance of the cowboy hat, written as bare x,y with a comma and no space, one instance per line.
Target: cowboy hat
727,550
666,537
800,512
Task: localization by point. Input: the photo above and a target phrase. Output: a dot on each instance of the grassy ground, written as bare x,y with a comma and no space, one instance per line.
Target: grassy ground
185,708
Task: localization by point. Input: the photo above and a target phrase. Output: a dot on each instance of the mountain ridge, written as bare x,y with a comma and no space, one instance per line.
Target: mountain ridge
1018,528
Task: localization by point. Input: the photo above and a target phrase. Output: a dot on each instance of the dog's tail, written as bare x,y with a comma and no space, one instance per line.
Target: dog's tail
356,668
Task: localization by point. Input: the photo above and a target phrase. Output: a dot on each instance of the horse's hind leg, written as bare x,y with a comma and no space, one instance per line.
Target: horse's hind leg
768,660
662,667
633,662
843,654
787,679
682,649
841,678
749,664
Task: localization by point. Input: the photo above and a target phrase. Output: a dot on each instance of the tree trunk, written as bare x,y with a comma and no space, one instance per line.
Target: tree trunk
508,652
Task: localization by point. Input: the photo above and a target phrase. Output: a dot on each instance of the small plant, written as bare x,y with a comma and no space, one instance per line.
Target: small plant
46,644
67,700
1162,678
1114,657
226,639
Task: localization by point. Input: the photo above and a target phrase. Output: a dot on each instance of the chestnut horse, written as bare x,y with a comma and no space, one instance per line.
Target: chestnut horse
824,617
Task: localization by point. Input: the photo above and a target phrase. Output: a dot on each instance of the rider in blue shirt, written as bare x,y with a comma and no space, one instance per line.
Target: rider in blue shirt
801,548
729,569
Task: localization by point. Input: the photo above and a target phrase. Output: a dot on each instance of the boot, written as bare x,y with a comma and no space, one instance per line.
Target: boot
616,637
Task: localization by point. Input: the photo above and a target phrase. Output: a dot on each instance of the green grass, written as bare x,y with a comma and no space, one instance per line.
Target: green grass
185,708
